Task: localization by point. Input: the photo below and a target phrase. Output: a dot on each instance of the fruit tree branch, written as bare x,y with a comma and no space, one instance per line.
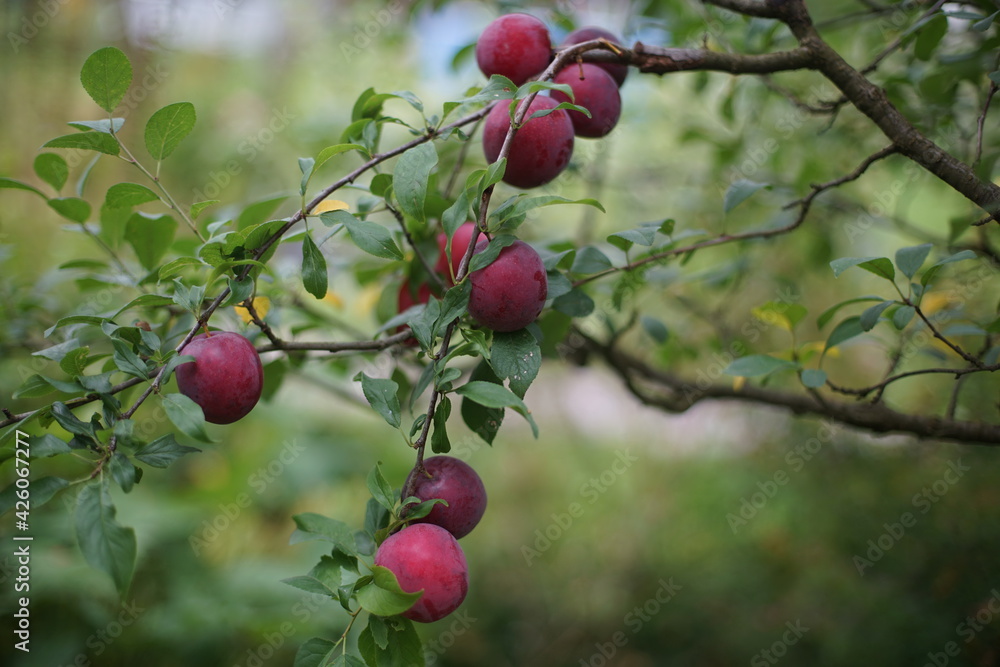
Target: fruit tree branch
673,393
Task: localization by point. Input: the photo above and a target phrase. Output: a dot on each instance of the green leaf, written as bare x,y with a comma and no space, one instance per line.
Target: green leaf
828,314
497,88
122,471
410,178
71,423
575,303
34,386
371,237
52,169
382,396
75,362
517,358
518,205
654,328
310,585
844,331
871,316
930,36
105,125
756,365
383,596
316,652
166,128
128,361
71,208
124,195
380,489
934,268
644,236
489,254
163,451
909,260
902,316
186,415
311,526
88,141
440,443
880,266
314,275
306,166
814,379
198,207
40,491
455,304
491,395
590,260
331,151
740,191
144,301
106,76
11,184
150,237
106,544
48,445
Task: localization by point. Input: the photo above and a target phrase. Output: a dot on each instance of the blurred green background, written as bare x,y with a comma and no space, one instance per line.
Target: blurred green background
622,536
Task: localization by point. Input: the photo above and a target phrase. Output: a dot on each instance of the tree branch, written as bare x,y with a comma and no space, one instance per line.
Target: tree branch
660,60
672,393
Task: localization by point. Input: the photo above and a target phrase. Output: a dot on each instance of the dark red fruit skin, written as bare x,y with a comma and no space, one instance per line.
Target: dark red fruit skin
541,148
454,481
594,90
516,46
509,294
426,557
226,377
618,72
459,245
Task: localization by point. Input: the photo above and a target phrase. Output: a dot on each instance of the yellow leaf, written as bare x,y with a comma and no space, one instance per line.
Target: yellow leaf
935,301
738,382
260,303
772,317
330,205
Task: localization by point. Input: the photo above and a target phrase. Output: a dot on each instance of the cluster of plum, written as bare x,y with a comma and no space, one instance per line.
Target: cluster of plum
509,294
518,47
425,555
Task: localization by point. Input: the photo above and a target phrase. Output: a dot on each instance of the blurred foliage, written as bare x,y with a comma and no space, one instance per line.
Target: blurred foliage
275,81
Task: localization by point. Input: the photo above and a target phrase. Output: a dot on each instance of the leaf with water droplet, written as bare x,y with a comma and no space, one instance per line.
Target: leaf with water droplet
515,356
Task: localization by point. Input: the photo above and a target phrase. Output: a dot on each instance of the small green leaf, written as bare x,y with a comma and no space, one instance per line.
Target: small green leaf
34,386
106,544
128,361
491,395
909,260
166,128
40,491
198,207
306,166
383,596
311,526
382,396
440,443
125,195
590,260
150,237
489,254
380,489
844,331
880,266
902,316
105,125
372,237
12,184
410,178
756,365
186,415
828,314
317,652
122,471
740,191
163,451
871,316
106,76
575,303
331,151
644,236
934,268
516,357
88,141
52,169
71,208
314,275
930,36
814,379
655,329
